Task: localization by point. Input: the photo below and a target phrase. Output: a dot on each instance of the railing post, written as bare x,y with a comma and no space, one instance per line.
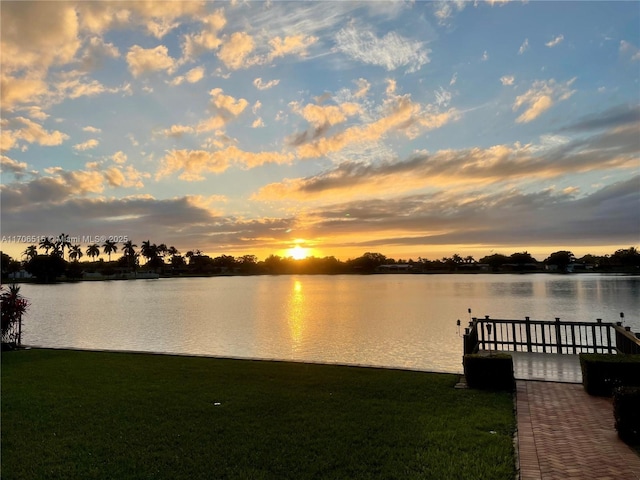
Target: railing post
527,323
558,335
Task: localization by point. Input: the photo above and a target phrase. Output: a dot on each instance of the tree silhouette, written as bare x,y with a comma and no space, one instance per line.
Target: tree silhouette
93,251
46,244
109,247
30,252
75,253
62,242
561,259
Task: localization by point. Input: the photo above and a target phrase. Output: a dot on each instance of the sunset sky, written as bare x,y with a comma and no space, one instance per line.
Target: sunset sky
414,129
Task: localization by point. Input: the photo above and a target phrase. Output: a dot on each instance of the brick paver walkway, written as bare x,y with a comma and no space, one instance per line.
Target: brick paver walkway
564,433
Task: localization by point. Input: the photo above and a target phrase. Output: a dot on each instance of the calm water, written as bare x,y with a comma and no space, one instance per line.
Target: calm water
385,320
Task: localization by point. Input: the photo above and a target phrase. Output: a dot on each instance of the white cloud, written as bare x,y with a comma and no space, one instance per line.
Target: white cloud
507,80
524,47
391,52
629,49
260,85
444,9
91,129
443,97
454,79
555,41
485,56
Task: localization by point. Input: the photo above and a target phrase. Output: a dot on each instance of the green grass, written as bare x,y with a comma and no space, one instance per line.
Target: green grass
71,414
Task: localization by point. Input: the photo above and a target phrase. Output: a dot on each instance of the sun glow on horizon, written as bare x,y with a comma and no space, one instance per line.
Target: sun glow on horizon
298,252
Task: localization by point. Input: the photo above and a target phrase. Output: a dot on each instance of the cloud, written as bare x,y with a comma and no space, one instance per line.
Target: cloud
444,9
540,97
91,129
12,166
164,220
507,80
157,18
556,41
192,76
391,52
617,116
227,103
400,115
22,129
363,88
295,44
196,44
236,49
506,217
89,144
524,47
15,91
145,60
260,85
75,85
119,157
614,149
193,163
443,97
320,116
630,50
96,51
37,35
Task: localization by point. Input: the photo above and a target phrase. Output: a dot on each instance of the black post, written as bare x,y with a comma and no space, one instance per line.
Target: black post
527,324
558,335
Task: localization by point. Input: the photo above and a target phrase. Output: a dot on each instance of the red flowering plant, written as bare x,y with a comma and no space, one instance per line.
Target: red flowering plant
13,306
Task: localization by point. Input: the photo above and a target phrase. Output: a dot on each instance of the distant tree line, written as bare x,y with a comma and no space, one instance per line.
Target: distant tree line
168,261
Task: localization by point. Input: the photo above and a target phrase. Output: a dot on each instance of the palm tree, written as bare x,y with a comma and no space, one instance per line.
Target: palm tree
110,247
46,244
31,252
63,242
129,250
148,250
93,250
75,253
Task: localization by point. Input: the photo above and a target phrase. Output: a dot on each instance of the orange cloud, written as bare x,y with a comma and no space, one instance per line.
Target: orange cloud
296,44
194,162
21,128
541,97
235,50
402,115
196,44
89,144
144,60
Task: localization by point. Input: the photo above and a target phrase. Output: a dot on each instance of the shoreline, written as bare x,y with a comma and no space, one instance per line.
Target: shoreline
6,281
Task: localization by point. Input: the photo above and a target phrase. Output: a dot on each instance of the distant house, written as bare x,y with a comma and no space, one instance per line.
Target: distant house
19,275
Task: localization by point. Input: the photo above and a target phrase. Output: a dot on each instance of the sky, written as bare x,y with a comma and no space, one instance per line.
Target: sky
413,129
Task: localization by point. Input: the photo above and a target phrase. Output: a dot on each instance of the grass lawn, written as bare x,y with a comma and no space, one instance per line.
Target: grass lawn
71,414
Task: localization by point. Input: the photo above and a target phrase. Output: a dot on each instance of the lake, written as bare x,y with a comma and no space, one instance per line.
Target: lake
395,320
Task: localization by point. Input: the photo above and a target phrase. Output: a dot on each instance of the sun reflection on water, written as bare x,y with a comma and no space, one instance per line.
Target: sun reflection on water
296,315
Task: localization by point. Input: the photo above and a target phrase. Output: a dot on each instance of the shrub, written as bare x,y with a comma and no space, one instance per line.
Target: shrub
627,414
13,306
601,373
490,372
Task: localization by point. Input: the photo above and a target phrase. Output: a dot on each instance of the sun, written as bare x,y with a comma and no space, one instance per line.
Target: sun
298,252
